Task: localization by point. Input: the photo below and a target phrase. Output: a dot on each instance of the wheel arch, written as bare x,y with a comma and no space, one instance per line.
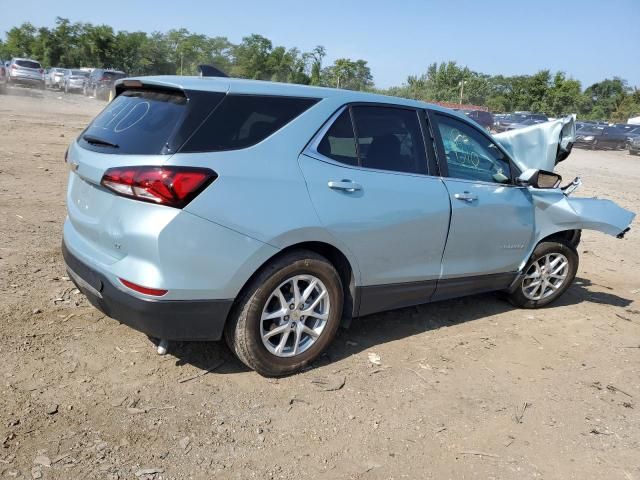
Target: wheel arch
572,237
339,261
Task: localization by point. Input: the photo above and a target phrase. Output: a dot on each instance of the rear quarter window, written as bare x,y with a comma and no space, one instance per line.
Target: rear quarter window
241,121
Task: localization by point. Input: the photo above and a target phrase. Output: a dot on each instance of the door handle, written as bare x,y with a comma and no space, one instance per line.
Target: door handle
466,196
345,186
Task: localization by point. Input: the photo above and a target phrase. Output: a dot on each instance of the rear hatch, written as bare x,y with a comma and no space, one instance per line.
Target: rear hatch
141,127
27,69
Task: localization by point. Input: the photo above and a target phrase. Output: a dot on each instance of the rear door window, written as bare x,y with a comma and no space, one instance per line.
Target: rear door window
390,138
136,122
241,121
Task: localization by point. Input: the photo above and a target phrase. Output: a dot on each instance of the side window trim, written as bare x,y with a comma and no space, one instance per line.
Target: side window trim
430,143
430,157
442,164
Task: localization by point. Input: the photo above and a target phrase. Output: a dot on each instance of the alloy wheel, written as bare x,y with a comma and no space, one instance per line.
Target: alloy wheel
295,315
545,276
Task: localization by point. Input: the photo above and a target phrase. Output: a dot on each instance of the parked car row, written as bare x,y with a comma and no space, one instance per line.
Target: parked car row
96,82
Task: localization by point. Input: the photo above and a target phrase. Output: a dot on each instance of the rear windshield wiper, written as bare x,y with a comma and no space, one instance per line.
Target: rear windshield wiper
99,141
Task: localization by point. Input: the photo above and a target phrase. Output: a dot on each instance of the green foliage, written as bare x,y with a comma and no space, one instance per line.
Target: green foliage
345,73
180,51
554,95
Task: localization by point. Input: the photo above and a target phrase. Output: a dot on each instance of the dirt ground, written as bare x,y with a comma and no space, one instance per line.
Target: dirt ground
468,388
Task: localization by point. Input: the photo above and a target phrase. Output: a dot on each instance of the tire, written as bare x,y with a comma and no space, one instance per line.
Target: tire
244,328
558,249
594,145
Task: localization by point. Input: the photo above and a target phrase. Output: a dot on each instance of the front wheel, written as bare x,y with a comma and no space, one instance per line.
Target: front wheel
549,272
287,315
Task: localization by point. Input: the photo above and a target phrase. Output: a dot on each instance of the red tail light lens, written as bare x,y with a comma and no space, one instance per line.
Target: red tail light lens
156,292
171,186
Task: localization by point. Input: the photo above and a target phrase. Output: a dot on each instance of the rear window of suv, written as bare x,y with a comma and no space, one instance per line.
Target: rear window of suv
27,64
241,121
136,122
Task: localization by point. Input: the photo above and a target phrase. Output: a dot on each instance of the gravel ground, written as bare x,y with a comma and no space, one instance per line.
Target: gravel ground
468,388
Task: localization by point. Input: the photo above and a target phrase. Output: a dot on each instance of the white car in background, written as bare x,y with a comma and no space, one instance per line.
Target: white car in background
53,79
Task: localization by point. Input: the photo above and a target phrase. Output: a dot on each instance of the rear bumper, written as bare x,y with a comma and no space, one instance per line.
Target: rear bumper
26,80
166,319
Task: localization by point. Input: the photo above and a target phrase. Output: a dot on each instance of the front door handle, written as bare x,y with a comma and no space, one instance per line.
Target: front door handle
466,196
345,186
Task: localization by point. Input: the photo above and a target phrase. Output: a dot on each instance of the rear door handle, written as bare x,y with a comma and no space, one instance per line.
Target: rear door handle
466,196
345,186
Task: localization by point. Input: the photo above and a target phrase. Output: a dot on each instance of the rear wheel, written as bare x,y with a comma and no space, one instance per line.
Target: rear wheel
287,315
549,272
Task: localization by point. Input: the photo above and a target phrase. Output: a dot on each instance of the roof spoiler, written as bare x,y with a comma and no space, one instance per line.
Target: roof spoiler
211,71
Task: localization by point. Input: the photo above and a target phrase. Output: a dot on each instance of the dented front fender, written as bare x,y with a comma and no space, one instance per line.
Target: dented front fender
556,212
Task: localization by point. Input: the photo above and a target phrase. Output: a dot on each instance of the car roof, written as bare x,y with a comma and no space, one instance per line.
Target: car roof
24,58
245,86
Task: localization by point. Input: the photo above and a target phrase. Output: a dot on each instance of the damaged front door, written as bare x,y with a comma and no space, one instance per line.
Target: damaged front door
492,218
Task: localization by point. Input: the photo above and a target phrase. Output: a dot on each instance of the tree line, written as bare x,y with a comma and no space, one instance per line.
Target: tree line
180,51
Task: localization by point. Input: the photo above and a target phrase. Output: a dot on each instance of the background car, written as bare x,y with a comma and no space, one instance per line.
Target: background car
53,77
3,77
27,72
505,122
481,117
597,137
74,80
101,81
524,123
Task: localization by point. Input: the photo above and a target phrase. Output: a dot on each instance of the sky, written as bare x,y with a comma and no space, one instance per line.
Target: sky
589,40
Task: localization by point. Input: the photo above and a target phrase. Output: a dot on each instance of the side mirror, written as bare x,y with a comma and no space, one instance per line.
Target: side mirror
539,179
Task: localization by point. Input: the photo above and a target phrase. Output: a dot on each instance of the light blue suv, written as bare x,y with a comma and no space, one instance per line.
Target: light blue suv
272,213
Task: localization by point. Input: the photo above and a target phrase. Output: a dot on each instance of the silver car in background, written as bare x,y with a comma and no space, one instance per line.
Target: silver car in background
26,71
74,80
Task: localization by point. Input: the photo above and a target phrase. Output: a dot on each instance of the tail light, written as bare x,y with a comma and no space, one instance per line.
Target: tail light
14,66
171,186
